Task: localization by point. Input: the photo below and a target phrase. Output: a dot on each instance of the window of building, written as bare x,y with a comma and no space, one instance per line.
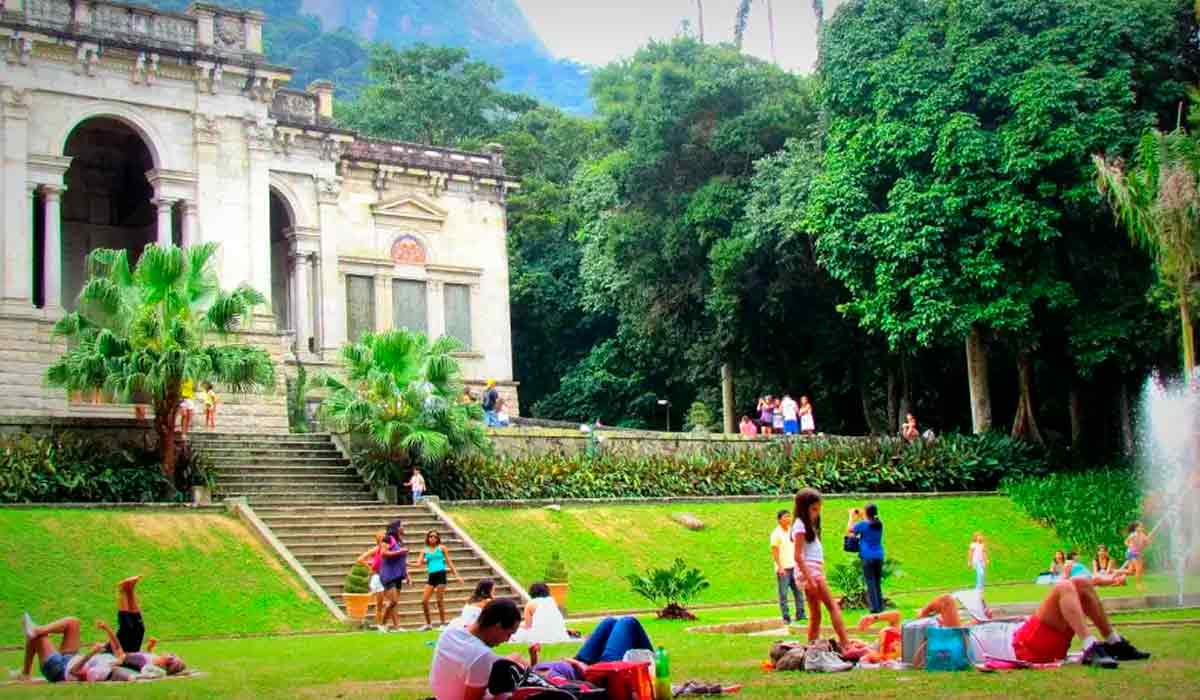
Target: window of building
360,306
409,306
458,312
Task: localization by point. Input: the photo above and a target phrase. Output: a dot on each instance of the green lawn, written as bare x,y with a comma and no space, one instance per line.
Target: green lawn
205,574
370,665
602,544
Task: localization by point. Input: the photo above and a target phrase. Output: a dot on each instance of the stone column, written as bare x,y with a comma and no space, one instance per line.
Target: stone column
332,331
258,239
16,203
301,302
188,236
52,252
165,209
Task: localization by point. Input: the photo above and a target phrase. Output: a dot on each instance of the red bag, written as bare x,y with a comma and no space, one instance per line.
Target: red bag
624,680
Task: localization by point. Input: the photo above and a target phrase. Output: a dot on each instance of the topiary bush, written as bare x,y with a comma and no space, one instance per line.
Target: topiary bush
556,570
68,469
357,579
1086,508
950,463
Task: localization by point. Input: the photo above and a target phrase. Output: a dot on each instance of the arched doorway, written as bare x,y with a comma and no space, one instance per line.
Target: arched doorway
107,202
282,223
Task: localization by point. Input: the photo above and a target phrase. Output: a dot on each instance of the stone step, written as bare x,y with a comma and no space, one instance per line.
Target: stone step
344,555
351,548
360,523
227,453
244,461
297,471
300,499
228,479
455,591
387,511
412,618
471,571
294,487
414,529
260,437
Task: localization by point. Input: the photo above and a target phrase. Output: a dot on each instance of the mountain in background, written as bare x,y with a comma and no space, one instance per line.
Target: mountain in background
329,39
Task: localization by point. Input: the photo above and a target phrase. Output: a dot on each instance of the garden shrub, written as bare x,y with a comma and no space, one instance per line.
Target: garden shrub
67,469
674,588
951,463
1086,508
847,578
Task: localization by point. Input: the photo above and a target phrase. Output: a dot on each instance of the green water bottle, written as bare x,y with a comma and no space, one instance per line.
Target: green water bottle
662,669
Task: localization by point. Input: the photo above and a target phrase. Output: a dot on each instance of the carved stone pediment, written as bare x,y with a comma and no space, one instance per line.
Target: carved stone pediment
409,210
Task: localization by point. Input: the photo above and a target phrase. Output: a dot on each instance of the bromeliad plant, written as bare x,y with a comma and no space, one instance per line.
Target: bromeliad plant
401,394
144,330
673,588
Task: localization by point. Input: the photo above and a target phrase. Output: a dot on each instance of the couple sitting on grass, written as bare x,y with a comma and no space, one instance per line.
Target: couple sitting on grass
120,659
465,667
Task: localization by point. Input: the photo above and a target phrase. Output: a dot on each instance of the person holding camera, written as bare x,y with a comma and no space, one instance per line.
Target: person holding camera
868,528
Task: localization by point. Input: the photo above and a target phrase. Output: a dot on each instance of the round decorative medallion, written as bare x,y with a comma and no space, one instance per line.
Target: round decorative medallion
407,250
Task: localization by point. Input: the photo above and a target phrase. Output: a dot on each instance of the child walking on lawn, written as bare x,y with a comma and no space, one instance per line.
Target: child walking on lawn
977,559
810,565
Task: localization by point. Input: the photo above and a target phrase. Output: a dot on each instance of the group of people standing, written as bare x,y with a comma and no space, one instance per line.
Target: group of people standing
388,563
780,416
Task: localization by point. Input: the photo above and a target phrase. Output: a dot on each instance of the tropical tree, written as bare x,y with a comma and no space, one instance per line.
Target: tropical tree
142,331
401,393
1158,203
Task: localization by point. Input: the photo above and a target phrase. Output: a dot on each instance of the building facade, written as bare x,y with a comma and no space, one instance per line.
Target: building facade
121,126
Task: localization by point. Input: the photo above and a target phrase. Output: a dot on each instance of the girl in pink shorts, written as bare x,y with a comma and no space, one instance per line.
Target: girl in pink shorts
810,569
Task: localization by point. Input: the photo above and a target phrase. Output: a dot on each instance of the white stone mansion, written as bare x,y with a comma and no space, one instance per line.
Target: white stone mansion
121,126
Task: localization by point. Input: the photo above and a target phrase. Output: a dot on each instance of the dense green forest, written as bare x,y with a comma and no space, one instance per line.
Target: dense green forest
917,226
921,225
331,39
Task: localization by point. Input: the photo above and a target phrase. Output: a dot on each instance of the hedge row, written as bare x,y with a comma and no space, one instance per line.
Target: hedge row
951,463
66,469
1086,509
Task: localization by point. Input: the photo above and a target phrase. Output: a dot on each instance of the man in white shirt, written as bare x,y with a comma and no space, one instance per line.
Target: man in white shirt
785,563
791,415
463,661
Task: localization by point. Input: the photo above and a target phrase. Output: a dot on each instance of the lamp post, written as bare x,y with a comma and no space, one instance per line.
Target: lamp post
666,404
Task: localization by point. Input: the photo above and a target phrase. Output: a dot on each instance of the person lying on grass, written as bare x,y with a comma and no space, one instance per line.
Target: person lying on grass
1043,638
131,632
63,662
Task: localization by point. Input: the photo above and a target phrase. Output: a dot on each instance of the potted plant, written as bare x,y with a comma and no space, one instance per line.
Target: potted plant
556,580
355,592
193,470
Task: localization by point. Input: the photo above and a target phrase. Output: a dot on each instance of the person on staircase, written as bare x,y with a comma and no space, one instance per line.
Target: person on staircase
393,574
373,559
436,561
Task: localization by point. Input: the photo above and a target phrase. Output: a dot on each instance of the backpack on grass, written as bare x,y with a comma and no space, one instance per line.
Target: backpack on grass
947,649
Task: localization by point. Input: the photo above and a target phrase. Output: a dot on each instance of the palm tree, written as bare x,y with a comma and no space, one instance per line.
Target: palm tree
401,392
144,331
1158,202
739,23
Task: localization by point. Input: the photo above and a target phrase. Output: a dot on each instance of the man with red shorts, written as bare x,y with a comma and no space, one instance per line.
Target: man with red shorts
1046,636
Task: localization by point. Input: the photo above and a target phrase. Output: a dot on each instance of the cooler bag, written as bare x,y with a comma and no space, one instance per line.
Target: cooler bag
946,649
912,641
624,680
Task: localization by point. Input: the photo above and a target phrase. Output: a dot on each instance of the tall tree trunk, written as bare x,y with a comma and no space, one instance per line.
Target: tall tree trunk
727,398
740,21
164,427
1125,415
1075,408
977,378
1025,422
893,400
906,402
819,10
1187,331
864,395
771,29
700,17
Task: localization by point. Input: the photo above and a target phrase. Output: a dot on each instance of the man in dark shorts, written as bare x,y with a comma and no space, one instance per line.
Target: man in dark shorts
131,629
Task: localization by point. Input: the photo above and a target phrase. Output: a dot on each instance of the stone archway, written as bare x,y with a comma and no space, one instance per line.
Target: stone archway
283,221
108,202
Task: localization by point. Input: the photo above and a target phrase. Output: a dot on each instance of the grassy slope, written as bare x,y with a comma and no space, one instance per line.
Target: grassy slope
369,665
205,573
602,544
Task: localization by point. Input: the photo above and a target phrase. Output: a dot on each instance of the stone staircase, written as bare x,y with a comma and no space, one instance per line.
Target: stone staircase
315,503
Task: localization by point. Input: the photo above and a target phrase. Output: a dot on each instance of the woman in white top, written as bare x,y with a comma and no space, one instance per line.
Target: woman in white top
810,565
543,622
808,424
479,599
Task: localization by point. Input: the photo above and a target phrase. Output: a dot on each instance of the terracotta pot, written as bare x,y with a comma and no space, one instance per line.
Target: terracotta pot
356,605
558,591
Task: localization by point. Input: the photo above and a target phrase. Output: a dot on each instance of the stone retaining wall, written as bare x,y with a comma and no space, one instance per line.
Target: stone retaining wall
528,441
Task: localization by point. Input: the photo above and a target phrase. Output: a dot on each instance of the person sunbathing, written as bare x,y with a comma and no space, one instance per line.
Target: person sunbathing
127,641
1044,637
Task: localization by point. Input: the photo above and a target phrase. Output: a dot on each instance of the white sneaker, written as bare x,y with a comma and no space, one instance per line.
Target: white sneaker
825,662
425,628
27,626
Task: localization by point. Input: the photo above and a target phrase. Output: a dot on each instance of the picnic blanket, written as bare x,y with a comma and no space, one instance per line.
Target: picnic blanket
38,680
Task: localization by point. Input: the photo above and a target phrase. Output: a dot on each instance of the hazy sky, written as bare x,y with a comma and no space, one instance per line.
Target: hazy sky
598,31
